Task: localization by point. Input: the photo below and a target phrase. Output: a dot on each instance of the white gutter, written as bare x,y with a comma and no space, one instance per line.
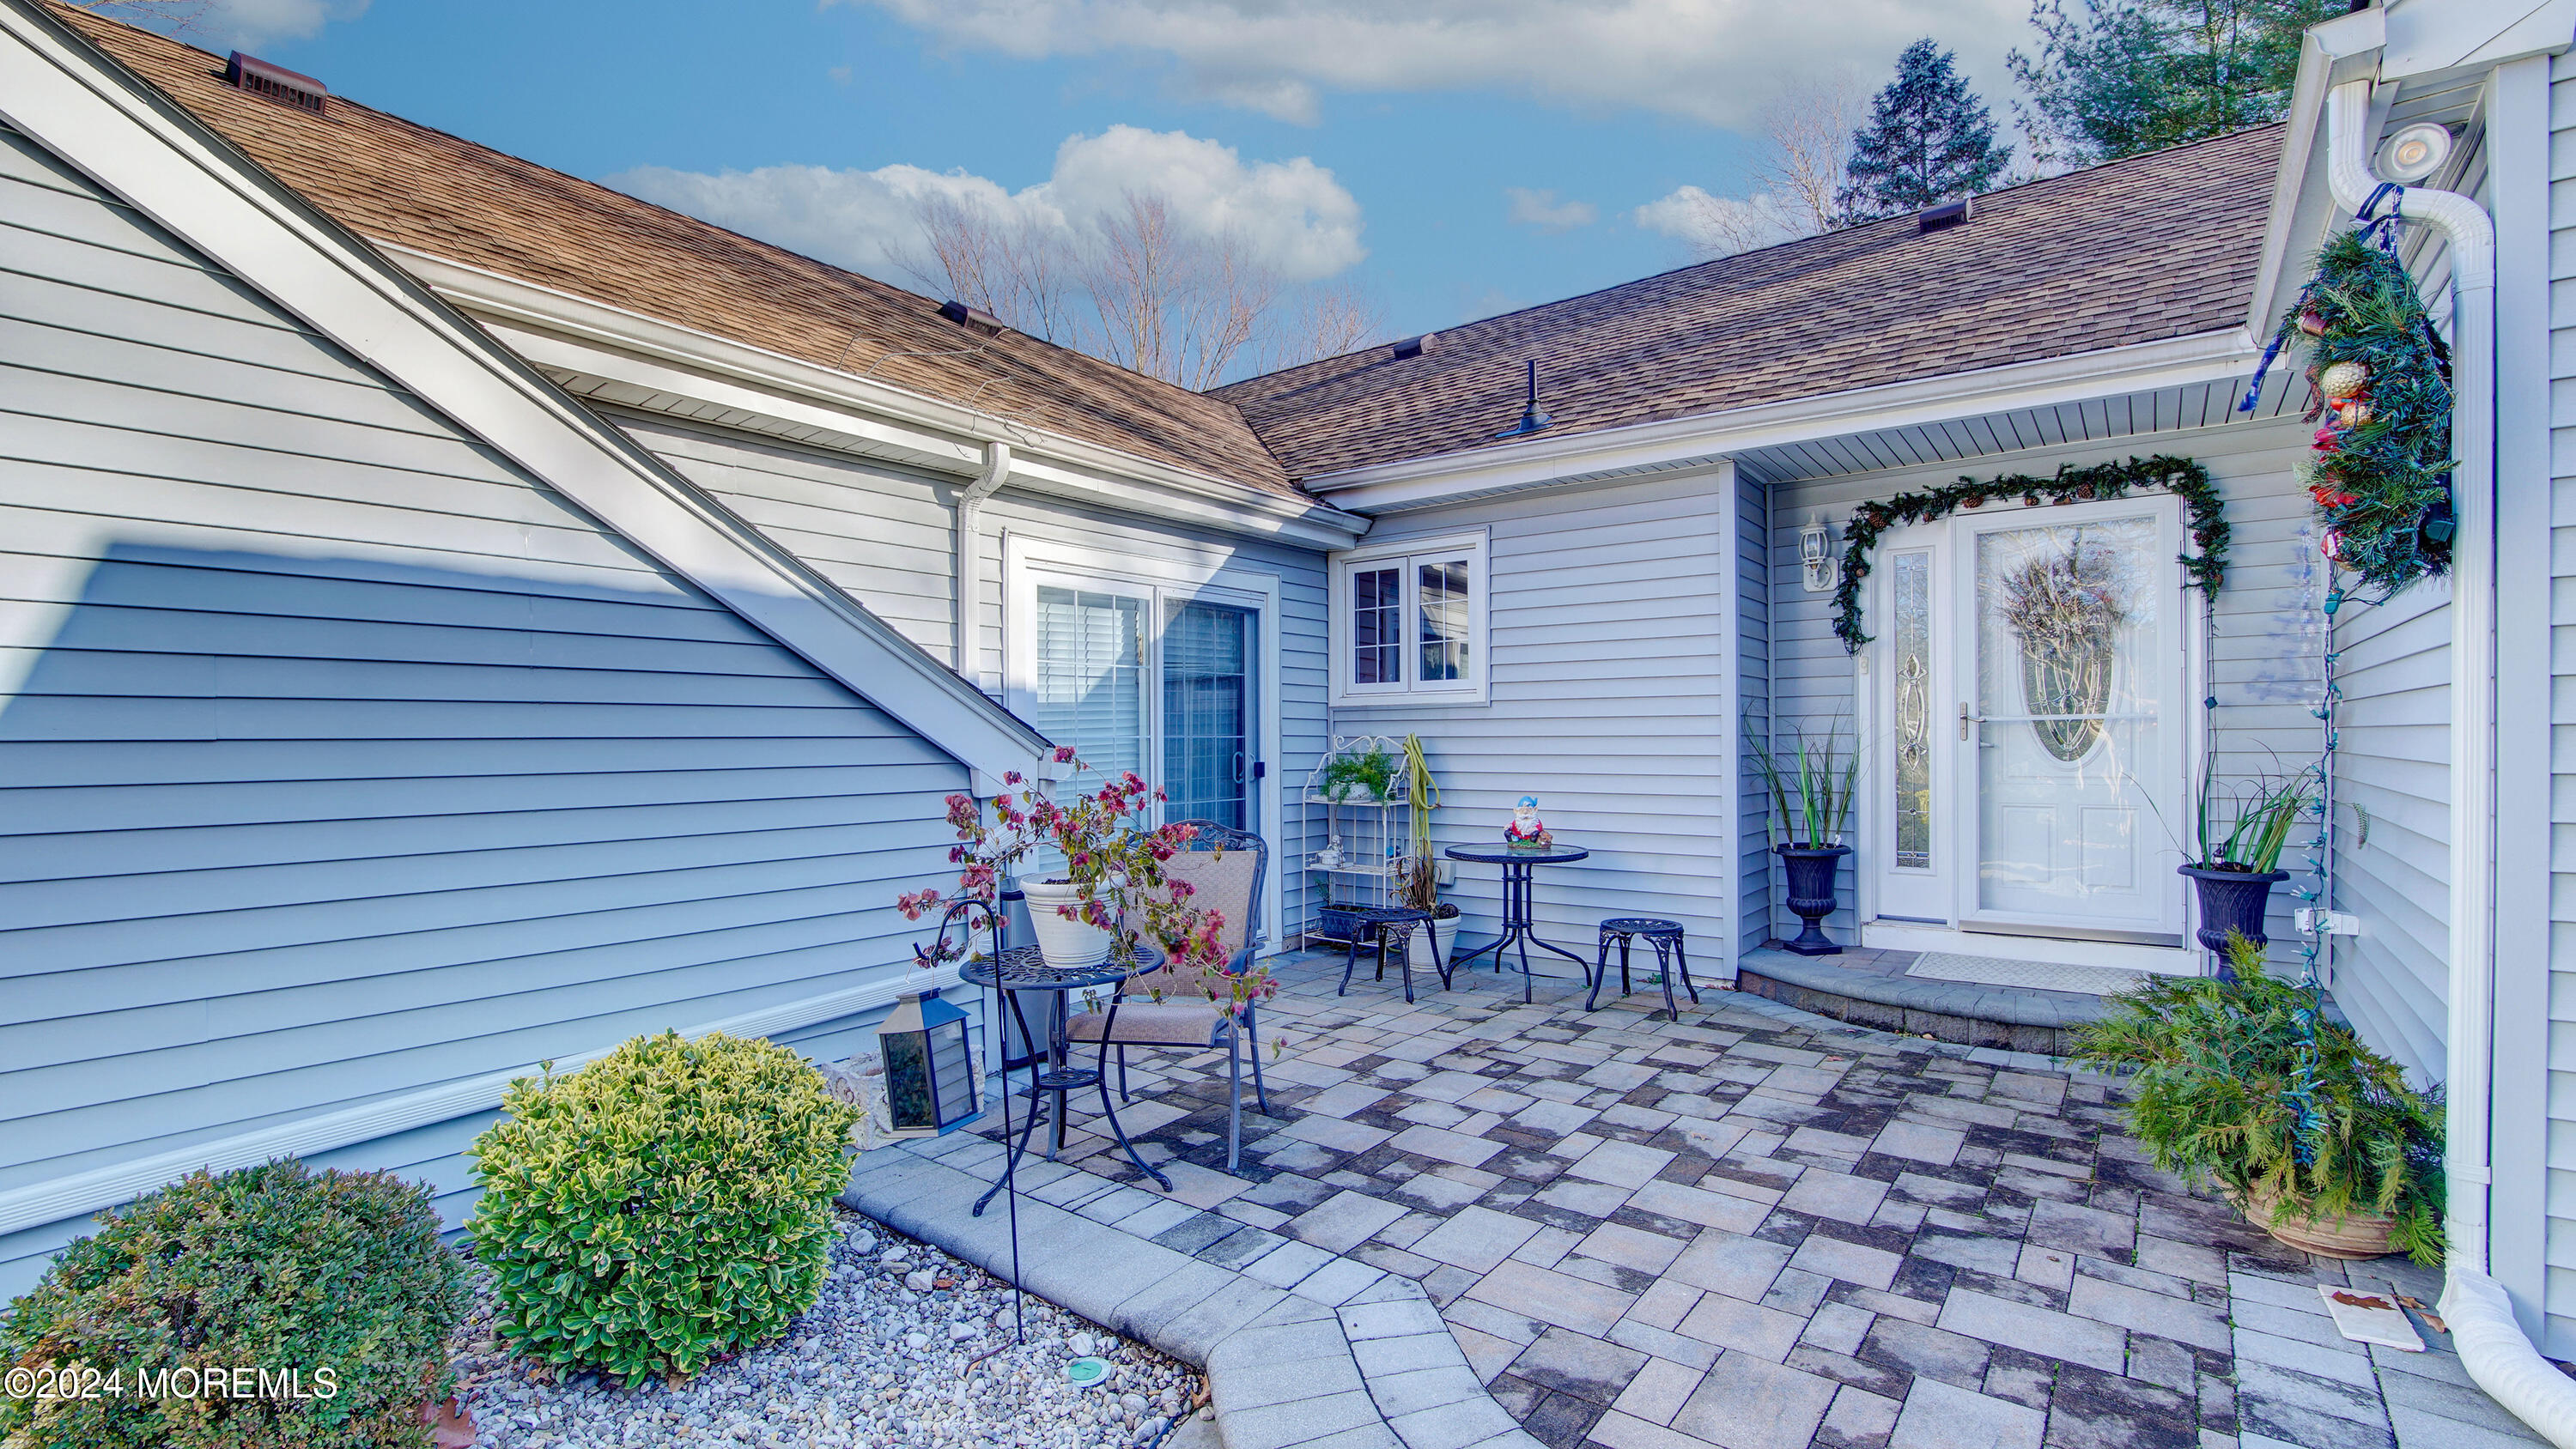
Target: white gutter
2491,1343
2140,367
970,506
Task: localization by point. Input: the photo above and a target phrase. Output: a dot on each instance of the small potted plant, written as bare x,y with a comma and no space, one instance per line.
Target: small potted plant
1366,777
2234,872
2242,1079
1807,833
1107,890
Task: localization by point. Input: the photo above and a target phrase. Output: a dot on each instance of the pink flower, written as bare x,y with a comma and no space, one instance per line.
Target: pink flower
1064,754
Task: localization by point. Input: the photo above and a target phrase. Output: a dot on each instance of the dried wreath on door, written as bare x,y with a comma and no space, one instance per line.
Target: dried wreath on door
2065,607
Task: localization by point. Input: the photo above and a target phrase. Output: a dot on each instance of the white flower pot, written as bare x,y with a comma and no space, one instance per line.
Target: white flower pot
1066,944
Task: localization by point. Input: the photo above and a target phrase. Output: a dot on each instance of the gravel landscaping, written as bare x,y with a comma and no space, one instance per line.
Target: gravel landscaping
907,1347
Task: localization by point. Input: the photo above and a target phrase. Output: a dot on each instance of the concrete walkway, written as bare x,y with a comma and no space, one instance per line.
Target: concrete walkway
1754,1229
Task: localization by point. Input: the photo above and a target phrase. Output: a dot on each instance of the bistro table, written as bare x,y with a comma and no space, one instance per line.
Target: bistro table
1517,932
1019,970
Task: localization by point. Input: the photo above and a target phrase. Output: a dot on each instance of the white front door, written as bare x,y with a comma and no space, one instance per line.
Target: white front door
2028,683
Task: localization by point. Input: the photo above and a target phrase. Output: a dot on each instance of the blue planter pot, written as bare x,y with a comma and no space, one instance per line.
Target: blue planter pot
2232,900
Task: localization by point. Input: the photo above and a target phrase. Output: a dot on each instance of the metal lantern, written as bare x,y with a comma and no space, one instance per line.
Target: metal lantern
929,1078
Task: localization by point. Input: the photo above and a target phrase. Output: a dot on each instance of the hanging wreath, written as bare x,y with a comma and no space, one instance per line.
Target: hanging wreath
2381,476
2181,477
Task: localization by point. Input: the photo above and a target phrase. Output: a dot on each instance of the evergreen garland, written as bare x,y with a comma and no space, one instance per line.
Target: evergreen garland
2381,477
2181,477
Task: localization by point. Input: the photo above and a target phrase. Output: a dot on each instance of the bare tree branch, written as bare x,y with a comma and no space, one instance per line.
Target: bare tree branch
1809,130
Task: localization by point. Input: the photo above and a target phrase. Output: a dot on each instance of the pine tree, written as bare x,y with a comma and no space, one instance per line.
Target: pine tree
2126,76
1928,140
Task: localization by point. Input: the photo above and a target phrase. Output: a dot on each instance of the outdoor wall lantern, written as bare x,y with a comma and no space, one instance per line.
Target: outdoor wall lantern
1816,556
929,1079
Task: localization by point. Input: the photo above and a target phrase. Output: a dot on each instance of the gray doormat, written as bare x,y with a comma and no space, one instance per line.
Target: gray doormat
2045,975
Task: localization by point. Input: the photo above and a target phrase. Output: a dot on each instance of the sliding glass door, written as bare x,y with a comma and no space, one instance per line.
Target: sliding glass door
1179,705
1207,713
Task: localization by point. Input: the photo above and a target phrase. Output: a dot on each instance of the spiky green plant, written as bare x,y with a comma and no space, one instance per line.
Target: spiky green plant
1822,778
2258,814
2218,1069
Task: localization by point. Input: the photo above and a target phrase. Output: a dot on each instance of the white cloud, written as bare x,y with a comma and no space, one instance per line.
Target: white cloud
241,24
1716,61
1542,210
1292,214
1718,226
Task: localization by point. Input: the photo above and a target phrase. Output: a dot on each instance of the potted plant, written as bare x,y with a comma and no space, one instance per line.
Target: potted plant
1363,778
1106,892
1418,880
2234,872
2317,1139
1807,834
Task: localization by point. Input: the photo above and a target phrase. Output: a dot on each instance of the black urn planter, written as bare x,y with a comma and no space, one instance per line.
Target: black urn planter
1811,894
2232,900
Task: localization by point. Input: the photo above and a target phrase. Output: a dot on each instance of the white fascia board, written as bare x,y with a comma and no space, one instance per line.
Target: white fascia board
2426,37
136,143
2327,54
576,334
2170,362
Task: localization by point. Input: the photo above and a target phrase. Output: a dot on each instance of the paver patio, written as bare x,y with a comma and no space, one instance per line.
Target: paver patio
1757,1229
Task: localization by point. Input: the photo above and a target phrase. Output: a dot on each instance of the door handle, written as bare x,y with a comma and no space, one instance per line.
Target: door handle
1238,767
1963,720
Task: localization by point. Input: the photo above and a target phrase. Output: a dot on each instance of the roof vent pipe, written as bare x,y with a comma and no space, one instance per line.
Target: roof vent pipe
276,82
1532,420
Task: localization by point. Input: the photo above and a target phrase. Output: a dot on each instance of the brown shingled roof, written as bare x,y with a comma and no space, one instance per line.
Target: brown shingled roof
2151,247
396,182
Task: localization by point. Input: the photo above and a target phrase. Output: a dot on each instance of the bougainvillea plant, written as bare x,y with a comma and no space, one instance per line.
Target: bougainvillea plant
1113,858
2181,477
2380,476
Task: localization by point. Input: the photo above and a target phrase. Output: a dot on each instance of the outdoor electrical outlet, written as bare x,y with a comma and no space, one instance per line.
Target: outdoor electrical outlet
2336,923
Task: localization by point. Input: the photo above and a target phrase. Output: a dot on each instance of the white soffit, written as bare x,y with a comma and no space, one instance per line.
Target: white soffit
2425,36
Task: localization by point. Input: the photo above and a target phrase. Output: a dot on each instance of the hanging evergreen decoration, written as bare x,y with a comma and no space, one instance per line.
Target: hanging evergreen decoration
2181,477
2381,474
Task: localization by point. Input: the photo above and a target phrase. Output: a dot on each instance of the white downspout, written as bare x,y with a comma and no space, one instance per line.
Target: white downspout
970,505
2491,1343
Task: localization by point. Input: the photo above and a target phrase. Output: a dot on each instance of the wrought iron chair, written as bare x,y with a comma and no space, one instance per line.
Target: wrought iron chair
1224,868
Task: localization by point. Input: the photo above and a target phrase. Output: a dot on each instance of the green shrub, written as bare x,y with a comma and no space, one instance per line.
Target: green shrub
336,1276
2218,1065
664,1205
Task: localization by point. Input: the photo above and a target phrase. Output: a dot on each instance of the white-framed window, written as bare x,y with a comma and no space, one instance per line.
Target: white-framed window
1409,622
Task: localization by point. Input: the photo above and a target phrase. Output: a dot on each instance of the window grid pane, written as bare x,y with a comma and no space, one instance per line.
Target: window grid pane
1443,604
1377,626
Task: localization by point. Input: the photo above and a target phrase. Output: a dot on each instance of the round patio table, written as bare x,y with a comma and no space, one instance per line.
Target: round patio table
1020,970
1517,932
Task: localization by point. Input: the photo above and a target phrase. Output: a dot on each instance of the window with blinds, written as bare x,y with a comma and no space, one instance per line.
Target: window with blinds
1091,677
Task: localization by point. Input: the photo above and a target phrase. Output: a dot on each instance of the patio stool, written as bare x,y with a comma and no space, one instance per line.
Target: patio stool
1392,925
1665,937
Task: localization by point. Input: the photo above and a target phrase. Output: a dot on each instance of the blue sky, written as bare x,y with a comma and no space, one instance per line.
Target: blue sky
1353,126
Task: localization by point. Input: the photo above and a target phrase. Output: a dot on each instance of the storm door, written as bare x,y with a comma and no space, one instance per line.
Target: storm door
2025,691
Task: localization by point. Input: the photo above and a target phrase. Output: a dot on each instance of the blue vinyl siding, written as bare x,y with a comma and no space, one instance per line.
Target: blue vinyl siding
339,759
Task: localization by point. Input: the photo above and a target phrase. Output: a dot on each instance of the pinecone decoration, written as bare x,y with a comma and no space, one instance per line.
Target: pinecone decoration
2343,380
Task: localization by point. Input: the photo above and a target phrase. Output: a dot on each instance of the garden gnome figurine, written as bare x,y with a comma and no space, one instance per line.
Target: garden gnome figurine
1527,831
